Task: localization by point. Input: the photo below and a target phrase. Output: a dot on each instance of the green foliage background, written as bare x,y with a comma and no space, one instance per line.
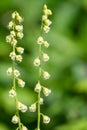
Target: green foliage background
67,105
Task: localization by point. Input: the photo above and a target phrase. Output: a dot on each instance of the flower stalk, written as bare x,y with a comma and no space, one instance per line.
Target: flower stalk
16,32
42,57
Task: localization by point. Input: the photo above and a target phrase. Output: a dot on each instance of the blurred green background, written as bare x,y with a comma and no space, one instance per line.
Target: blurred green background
67,105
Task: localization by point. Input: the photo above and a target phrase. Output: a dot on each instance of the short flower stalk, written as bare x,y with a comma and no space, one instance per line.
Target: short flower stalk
16,33
43,74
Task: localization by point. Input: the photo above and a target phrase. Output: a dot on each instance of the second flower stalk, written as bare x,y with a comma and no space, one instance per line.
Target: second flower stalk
42,57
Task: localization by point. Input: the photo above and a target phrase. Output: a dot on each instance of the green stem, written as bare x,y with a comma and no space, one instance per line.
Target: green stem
38,124
17,112
41,114
40,52
13,68
14,86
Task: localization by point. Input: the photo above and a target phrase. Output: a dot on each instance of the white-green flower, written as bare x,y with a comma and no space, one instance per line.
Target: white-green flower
37,62
16,73
10,25
8,39
21,83
9,71
20,35
22,107
19,18
46,119
19,58
47,22
40,40
15,119
20,50
14,42
45,57
32,108
46,75
12,55
47,11
46,29
24,128
12,93
44,17
38,87
46,91
46,44
41,100
14,15
19,28
13,34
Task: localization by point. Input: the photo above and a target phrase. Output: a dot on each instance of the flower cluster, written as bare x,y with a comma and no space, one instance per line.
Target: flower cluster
15,26
45,20
16,32
42,57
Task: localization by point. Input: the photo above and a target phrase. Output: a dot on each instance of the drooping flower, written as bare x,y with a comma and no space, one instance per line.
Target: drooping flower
46,91
40,40
46,75
12,55
9,71
16,73
44,17
20,35
37,62
47,22
21,83
46,119
32,108
22,107
38,87
41,101
19,28
46,44
20,50
19,58
47,11
13,34
12,93
46,29
15,119
13,42
10,25
24,128
45,57
8,39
